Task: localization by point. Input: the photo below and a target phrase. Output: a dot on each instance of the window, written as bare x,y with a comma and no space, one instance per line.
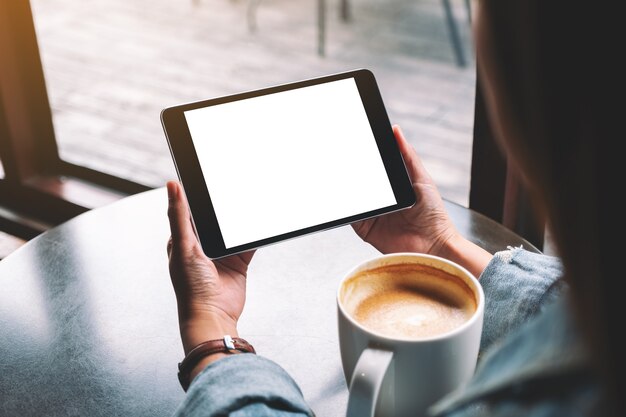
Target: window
111,66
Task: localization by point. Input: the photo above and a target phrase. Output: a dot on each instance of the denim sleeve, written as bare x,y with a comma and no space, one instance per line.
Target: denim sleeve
241,386
517,284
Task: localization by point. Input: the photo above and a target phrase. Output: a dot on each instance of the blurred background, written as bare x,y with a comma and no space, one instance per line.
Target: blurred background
110,66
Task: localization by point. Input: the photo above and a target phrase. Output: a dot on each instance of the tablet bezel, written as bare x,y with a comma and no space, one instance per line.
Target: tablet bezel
191,177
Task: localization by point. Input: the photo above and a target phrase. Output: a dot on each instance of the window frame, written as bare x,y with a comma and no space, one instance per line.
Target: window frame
39,189
495,190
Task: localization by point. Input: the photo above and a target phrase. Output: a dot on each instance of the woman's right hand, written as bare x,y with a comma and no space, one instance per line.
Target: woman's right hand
425,227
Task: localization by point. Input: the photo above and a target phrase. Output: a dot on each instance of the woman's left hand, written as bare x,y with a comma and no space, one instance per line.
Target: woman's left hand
210,295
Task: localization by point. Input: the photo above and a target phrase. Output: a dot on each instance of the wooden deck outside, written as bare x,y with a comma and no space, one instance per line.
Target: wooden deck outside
112,65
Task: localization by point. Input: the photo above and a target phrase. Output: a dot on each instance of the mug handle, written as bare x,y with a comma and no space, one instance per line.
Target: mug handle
367,379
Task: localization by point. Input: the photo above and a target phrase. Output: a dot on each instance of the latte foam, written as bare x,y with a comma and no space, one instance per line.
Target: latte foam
409,301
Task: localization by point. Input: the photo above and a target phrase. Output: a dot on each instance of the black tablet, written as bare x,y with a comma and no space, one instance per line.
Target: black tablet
268,165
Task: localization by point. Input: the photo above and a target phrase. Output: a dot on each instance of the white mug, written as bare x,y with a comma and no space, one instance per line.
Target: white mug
399,377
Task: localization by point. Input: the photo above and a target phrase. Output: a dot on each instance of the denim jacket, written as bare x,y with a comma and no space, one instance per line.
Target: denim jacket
531,362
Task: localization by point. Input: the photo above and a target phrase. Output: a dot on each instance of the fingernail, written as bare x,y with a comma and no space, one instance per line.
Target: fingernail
171,191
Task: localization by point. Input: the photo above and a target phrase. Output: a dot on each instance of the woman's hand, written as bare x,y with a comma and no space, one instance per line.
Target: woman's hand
425,227
210,295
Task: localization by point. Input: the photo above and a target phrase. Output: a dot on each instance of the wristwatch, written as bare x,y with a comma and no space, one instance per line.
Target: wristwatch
226,344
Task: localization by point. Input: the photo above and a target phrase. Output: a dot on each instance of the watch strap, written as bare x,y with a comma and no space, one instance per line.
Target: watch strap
226,344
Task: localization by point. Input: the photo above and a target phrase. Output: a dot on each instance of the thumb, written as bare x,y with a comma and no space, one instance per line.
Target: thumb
412,161
181,229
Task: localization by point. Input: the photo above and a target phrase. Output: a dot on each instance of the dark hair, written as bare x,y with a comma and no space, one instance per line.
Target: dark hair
558,77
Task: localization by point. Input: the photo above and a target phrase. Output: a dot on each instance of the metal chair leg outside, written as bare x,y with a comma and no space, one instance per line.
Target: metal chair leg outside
321,27
455,37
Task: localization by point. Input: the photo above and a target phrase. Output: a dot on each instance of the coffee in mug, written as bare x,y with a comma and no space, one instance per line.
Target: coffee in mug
405,301
409,332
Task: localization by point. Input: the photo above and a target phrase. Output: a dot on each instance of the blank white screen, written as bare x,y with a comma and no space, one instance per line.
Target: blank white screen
282,162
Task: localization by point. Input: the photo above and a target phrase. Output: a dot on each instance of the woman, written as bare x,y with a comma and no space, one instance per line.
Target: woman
550,343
